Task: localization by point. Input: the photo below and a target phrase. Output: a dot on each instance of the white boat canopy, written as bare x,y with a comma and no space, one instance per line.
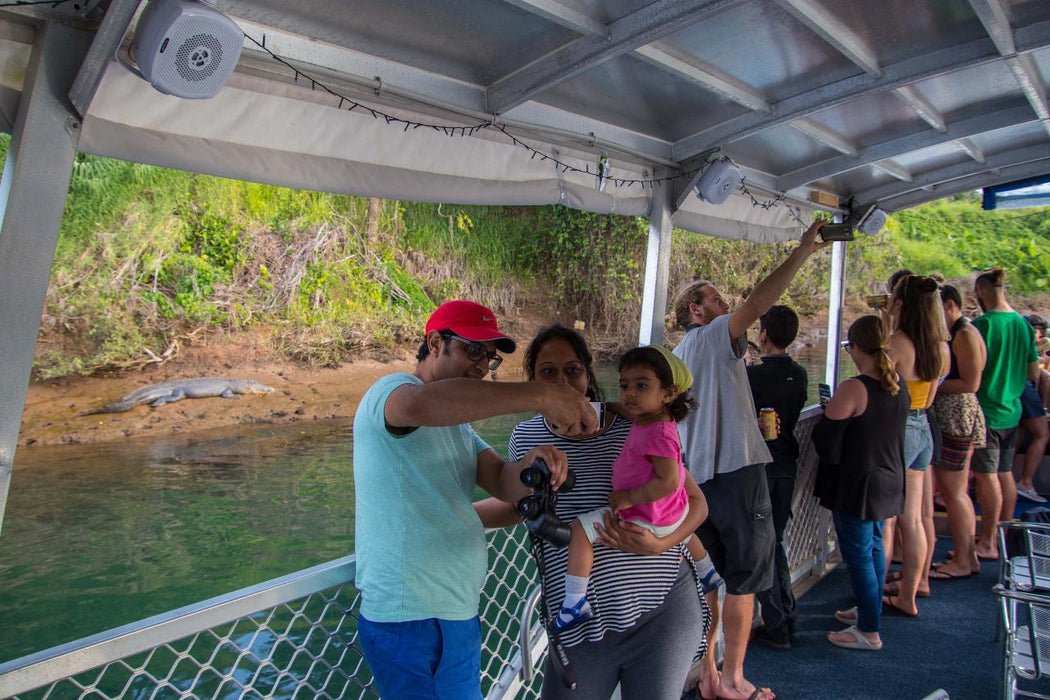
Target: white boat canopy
831,104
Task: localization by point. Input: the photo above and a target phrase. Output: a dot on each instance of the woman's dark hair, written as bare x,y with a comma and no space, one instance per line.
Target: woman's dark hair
922,320
579,346
950,293
683,403
780,324
897,277
868,334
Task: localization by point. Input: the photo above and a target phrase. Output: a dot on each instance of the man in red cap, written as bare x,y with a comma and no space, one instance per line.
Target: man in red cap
421,556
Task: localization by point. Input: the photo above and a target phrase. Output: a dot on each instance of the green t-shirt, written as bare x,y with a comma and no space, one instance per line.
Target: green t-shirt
1011,347
420,546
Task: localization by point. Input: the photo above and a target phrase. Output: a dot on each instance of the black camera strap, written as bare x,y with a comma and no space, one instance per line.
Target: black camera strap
555,649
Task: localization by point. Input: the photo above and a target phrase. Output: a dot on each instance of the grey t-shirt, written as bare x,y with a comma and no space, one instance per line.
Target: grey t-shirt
721,435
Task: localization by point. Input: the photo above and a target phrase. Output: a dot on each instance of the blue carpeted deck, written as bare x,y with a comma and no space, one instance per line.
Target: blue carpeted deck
951,646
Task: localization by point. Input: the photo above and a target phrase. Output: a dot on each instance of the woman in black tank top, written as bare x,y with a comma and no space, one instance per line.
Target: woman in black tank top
961,424
861,474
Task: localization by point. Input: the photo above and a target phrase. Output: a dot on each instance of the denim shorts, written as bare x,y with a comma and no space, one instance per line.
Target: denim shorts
918,444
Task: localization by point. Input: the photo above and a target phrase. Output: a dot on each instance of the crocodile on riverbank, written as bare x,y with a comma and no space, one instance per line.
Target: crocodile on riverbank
179,389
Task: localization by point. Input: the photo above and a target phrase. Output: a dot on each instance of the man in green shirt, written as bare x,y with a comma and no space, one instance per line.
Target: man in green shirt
1012,360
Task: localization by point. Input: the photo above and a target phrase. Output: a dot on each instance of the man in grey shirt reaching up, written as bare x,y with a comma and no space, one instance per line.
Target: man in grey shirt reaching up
723,448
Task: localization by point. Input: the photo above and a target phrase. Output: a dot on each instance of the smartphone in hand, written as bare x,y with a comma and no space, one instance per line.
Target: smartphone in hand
824,394
836,232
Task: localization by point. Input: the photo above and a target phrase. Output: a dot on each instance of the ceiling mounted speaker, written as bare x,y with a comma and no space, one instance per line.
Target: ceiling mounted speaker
186,48
872,221
719,180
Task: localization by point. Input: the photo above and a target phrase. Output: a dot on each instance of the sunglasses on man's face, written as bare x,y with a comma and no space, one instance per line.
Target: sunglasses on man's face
476,351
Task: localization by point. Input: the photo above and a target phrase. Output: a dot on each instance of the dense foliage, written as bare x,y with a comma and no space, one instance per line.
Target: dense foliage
151,258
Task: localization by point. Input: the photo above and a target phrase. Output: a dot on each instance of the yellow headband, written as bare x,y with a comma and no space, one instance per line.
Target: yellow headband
680,374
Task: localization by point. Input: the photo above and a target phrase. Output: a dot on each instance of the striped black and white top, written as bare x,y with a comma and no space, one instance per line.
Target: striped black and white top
623,586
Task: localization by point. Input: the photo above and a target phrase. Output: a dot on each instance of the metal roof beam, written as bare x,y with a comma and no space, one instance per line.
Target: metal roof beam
996,23
895,170
835,32
923,107
938,176
1024,69
705,75
980,123
947,189
826,136
941,62
103,47
971,149
563,15
641,27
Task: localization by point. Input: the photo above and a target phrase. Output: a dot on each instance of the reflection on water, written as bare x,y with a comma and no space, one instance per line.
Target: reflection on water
96,536
99,536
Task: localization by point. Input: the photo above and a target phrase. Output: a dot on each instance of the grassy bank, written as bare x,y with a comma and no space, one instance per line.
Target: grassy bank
151,259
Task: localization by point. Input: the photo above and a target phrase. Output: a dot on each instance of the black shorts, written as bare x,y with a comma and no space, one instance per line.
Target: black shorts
738,532
1031,403
997,456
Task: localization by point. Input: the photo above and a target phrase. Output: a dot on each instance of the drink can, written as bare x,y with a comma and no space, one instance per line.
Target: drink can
767,422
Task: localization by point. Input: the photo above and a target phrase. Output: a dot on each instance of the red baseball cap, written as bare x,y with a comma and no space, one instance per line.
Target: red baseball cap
471,321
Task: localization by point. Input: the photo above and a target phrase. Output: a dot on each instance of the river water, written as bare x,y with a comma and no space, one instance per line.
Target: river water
97,536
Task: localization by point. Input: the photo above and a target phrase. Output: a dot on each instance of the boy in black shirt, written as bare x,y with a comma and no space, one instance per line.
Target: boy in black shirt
779,383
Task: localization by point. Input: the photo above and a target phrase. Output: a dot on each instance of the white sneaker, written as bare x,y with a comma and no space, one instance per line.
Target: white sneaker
1030,495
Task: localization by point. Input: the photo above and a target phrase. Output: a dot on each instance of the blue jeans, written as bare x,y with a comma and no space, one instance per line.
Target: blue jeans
861,545
429,658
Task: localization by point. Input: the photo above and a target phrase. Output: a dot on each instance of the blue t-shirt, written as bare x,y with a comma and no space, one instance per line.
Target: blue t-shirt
420,545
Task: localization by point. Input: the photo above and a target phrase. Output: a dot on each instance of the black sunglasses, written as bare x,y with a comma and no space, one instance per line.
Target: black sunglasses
475,351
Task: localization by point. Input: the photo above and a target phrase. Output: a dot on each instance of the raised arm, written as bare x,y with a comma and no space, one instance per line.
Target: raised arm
455,401
772,287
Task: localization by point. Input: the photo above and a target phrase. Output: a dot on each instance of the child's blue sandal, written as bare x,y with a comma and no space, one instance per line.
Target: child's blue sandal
570,617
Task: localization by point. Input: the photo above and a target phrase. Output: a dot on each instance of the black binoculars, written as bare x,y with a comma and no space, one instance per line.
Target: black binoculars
537,509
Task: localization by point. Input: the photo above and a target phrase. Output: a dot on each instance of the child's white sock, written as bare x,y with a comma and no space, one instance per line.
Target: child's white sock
709,578
575,588
575,608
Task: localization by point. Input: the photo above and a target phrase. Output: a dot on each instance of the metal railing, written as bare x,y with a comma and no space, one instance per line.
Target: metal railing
296,636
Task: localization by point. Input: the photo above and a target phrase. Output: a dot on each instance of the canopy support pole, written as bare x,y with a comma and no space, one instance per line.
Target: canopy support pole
32,198
657,262
836,296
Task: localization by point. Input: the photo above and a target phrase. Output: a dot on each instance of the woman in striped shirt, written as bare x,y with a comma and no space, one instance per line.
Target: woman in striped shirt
649,620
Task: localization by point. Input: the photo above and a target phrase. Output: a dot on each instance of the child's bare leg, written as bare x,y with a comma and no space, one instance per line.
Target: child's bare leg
581,552
575,608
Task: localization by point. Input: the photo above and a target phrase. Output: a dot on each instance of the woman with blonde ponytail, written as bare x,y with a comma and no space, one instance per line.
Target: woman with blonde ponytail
919,349
860,442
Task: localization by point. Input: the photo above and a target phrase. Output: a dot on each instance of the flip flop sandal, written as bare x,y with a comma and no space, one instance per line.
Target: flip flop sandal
893,590
847,617
859,641
939,575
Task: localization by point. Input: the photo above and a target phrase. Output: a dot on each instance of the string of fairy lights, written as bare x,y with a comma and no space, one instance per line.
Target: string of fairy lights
27,3
599,172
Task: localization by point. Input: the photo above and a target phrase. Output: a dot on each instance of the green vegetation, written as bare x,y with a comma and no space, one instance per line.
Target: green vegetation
151,258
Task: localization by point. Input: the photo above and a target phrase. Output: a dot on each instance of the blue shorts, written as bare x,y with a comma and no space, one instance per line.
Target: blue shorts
918,444
1031,403
429,658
